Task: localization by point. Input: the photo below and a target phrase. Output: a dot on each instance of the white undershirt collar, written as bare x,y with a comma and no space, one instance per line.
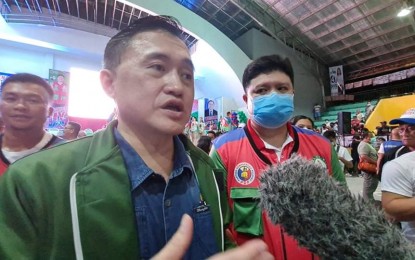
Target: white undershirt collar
14,156
278,151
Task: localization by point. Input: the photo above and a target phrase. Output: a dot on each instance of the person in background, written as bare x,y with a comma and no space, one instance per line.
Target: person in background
226,123
317,111
406,124
205,143
345,159
336,127
302,121
211,134
71,131
383,129
194,131
268,138
397,173
218,125
324,128
25,104
361,129
201,126
355,122
368,110
186,130
123,192
327,122
398,192
379,141
355,155
368,154
359,115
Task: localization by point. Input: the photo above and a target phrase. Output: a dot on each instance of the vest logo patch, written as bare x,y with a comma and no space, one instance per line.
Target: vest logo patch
320,160
244,173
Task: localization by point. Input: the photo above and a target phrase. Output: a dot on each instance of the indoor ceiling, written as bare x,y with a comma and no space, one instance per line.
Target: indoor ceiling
364,36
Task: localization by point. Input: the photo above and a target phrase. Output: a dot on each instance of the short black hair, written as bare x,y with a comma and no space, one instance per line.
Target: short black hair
204,143
29,78
267,64
212,132
119,42
297,118
75,126
329,134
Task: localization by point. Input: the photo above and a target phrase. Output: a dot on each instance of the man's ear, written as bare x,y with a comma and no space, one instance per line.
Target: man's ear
50,111
245,98
107,79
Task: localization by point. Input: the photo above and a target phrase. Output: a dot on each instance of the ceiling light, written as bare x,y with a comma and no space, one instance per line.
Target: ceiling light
405,12
407,8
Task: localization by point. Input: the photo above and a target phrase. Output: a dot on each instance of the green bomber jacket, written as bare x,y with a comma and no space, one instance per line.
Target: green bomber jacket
73,201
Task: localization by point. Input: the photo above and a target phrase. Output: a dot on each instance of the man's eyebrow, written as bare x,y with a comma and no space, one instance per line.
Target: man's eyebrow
164,57
189,63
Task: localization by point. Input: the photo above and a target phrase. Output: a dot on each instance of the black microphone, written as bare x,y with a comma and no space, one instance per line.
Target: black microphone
325,217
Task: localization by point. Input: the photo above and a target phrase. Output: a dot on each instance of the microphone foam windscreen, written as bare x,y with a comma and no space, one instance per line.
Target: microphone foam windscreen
325,217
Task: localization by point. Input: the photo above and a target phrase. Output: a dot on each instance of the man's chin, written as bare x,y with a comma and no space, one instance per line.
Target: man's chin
171,128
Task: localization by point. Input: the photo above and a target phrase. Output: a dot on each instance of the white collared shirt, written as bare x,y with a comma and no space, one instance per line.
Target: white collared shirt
278,151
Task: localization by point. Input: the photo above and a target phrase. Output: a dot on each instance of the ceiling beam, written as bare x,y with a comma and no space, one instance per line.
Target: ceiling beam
67,5
362,60
7,6
364,16
325,44
348,46
273,26
113,13
105,11
77,7
28,6
87,9
122,16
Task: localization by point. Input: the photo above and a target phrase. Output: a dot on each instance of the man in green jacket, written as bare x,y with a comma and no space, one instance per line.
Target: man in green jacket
121,193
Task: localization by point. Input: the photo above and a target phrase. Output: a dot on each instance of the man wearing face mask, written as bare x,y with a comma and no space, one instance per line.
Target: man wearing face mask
268,138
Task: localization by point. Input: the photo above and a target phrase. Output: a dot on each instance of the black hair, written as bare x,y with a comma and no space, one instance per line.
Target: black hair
212,132
29,78
329,134
76,127
204,143
297,118
118,43
264,65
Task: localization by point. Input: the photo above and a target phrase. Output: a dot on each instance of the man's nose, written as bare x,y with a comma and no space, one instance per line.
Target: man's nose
175,83
20,103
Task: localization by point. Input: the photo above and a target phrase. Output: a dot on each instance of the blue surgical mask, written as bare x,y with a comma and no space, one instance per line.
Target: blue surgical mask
273,110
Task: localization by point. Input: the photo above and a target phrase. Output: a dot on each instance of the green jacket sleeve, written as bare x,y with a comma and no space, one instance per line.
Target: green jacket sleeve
18,234
227,212
338,173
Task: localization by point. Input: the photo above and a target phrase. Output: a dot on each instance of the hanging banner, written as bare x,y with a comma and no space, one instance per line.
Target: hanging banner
337,81
211,113
59,80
